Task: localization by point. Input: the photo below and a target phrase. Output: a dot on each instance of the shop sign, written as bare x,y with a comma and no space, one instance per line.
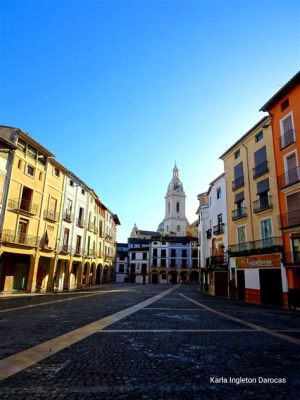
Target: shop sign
263,261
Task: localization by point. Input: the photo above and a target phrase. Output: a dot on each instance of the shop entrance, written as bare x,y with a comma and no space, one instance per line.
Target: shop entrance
271,287
240,285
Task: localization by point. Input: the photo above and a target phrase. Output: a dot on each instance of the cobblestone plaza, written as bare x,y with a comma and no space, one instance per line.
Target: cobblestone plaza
146,342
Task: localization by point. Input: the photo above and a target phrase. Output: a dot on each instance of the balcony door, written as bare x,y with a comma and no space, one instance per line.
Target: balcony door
26,199
291,168
22,230
293,209
266,232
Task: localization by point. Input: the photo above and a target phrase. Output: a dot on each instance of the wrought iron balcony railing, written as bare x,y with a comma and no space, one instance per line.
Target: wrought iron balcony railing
218,229
80,222
290,219
239,213
260,169
216,261
270,245
287,138
10,236
90,253
67,216
262,204
78,251
237,183
51,215
65,248
289,178
23,205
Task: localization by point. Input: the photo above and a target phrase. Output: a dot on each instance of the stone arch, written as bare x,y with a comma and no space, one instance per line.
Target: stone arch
99,271
173,276
184,276
86,274
105,274
93,274
194,277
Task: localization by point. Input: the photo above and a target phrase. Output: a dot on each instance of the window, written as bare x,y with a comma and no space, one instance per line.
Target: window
183,252
163,253
296,249
177,206
241,236
293,209
169,208
154,262
49,237
78,245
259,136
262,192
266,232
121,268
219,217
56,172
238,176
144,268
133,256
83,192
237,154
40,176
144,256
173,253
218,193
30,170
22,230
284,105
19,164
41,159
66,239
178,228
260,161
26,198
154,252
71,183
287,131
292,170
163,262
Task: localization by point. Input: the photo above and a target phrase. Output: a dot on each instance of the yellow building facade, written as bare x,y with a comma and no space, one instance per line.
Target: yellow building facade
254,236
39,248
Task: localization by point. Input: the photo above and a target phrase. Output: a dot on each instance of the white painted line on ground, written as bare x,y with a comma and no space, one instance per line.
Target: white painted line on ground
24,359
173,330
98,293
249,324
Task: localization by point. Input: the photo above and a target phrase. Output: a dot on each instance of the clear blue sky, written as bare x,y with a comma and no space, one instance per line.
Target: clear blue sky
118,90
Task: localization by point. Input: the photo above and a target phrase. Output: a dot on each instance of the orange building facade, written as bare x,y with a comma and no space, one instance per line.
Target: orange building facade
284,109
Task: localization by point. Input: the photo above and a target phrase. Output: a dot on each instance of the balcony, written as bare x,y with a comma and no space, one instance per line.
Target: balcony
90,253
239,213
218,229
67,216
51,215
9,236
238,183
208,234
263,246
262,204
290,219
217,261
78,251
260,169
289,178
80,222
287,139
65,248
22,206
291,258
